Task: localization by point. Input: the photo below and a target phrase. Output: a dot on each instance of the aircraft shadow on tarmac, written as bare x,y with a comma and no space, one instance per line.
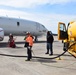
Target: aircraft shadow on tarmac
4,44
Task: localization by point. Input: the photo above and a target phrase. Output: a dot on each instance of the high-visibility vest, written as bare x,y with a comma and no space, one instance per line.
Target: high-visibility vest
29,39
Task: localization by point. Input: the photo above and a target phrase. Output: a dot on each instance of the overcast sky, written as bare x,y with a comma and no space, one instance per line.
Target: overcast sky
46,12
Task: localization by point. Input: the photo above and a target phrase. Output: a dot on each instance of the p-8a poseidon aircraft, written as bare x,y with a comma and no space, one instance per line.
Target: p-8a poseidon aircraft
19,27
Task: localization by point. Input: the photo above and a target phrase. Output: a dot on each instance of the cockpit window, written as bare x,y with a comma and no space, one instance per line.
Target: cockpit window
43,26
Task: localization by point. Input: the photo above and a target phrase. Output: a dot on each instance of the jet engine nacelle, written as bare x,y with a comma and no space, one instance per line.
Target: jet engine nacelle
1,34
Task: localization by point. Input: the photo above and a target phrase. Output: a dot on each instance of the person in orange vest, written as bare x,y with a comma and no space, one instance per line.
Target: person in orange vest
29,40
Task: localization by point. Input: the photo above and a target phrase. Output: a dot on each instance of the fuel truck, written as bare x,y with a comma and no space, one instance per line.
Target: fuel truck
68,36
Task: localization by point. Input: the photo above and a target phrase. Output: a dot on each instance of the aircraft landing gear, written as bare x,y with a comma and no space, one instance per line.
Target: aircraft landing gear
36,39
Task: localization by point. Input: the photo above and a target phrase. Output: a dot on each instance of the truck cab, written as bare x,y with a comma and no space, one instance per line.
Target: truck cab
68,37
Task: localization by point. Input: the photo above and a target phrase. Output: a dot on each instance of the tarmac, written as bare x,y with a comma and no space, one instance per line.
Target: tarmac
12,60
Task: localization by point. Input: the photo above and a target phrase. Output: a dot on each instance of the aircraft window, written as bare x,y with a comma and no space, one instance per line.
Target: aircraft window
18,23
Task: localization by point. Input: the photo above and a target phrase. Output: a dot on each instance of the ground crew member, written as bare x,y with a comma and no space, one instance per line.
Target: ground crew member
11,42
29,40
50,40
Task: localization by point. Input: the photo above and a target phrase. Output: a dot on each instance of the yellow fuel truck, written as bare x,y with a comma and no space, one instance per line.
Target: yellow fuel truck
68,36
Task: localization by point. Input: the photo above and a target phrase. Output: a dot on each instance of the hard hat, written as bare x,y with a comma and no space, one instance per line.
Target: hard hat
27,32
10,34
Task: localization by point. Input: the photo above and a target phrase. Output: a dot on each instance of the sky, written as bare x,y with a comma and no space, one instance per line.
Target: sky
46,12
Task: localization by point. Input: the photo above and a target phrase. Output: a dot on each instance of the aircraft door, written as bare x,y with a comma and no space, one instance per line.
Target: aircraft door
62,32
37,26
